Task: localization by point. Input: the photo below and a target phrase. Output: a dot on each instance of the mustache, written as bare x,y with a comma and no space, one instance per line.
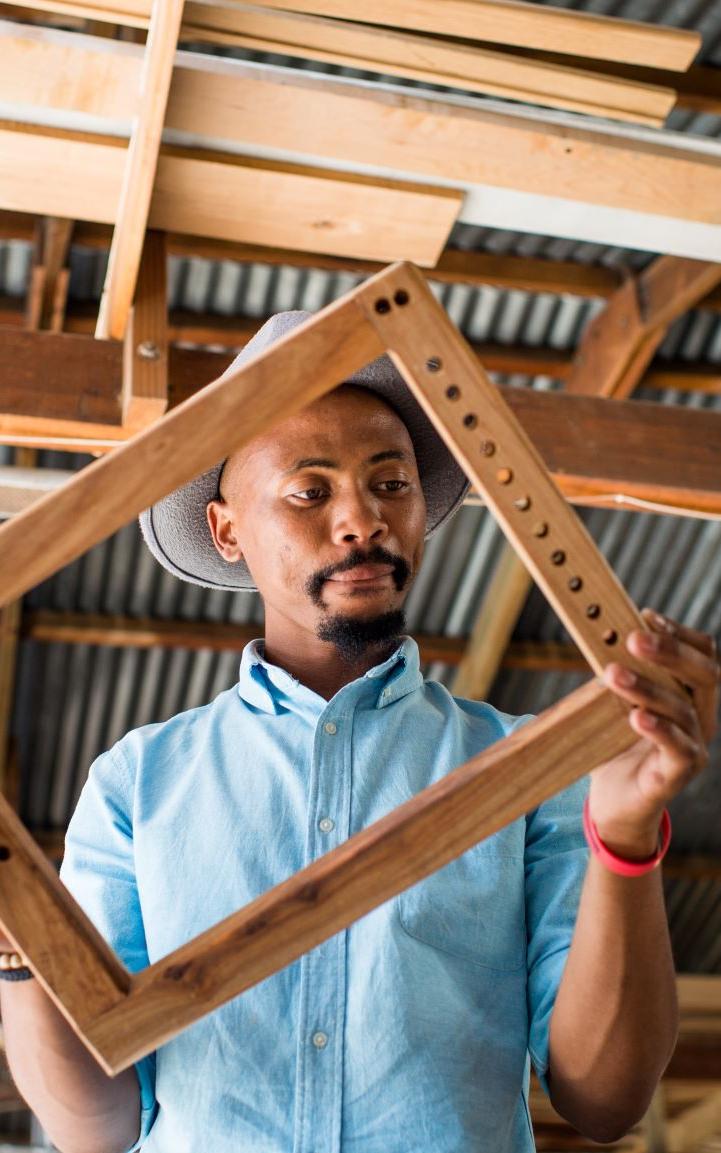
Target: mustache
376,555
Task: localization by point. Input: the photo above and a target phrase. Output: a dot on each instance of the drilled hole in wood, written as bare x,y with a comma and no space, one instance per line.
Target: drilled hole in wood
523,503
610,637
382,305
434,364
593,611
504,475
470,420
401,297
453,392
5,853
558,557
487,448
540,529
575,584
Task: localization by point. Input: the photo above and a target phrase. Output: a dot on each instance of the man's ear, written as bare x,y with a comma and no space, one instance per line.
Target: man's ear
223,531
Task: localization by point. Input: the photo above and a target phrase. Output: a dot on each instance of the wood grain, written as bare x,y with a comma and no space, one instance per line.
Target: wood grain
189,440
139,169
478,426
145,351
67,954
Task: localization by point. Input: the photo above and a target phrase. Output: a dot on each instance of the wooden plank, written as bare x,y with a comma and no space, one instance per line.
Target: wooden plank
172,452
46,626
426,139
79,385
495,621
218,195
427,831
395,310
145,354
9,635
430,61
431,138
641,449
139,171
43,66
68,955
497,21
302,207
495,453
50,68
619,343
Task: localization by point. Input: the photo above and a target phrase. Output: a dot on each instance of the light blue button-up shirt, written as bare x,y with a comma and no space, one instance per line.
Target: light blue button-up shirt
408,1033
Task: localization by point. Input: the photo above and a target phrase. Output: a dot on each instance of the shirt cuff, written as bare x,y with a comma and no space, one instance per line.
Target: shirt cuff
145,1072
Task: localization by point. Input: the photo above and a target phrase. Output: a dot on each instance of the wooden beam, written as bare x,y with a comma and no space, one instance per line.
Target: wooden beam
221,195
518,24
642,449
495,621
34,56
468,146
431,61
81,378
496,21
619,343
145,352
140,168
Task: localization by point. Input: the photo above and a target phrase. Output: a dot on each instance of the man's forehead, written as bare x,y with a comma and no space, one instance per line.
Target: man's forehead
323,430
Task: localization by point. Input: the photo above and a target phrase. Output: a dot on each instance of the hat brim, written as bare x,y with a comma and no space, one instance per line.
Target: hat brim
176,528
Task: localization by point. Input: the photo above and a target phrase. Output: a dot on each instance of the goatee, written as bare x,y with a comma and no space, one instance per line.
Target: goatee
352,638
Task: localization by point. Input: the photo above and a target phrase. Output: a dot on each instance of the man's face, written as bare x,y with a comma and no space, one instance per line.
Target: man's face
328,512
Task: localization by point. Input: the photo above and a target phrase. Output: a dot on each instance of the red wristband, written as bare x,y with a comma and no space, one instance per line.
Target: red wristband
621,865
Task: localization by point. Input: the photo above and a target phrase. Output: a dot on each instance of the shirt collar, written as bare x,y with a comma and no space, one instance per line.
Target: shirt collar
273,690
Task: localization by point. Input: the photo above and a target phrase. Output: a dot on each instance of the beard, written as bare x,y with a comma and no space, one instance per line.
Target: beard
353,636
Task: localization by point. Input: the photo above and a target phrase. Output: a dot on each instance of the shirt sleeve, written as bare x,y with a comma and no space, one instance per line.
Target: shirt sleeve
98,869
555,862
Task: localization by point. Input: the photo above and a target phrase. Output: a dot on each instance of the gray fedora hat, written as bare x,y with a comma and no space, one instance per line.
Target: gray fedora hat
176,529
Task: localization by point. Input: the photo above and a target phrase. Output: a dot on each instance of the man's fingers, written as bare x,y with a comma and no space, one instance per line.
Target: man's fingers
639,691
683,757
704,642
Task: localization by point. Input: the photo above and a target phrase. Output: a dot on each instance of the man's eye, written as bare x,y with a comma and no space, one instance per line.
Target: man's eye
309,494
394,485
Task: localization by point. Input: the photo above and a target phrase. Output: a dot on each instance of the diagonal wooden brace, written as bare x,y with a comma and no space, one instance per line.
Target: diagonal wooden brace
120,1017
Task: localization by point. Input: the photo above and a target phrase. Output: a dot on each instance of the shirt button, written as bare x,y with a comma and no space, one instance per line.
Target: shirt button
320,1040
331,728
326,825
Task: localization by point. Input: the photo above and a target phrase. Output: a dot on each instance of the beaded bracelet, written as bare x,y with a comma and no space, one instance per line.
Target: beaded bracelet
14,967
622,865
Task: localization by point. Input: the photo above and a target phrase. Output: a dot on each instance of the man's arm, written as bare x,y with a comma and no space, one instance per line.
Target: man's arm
81,1108
614,1023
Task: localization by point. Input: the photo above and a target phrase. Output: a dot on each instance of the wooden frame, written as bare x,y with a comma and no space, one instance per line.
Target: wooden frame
121,1016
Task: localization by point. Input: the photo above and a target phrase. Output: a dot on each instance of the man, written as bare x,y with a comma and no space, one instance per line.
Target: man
411,1030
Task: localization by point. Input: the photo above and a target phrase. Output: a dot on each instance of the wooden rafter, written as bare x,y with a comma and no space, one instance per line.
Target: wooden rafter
614,354
75,384
620,343
145,352
496,21
430,60
139,170
121,1016
339,121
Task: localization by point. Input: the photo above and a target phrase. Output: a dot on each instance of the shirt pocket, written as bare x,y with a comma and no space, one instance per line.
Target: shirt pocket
473,908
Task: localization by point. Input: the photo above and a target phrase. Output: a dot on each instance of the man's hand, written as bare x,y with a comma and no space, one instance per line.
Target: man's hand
629,793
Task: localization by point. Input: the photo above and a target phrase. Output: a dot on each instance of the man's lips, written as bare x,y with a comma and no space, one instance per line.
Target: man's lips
365,572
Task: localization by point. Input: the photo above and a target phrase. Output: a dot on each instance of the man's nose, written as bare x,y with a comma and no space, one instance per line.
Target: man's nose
359,518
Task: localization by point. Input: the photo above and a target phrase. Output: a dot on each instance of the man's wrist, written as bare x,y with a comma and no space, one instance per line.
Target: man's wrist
631,844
